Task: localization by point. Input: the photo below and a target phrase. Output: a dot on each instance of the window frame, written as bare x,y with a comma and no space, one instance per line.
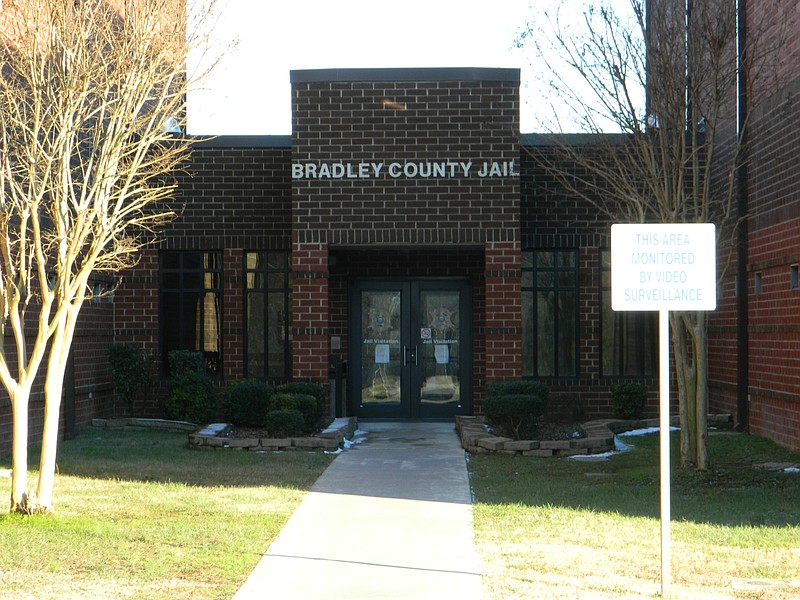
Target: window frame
265,290
639,319
182,271
533,288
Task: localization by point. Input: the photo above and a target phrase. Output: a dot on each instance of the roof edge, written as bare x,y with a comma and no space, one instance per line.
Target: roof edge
242,141
405,74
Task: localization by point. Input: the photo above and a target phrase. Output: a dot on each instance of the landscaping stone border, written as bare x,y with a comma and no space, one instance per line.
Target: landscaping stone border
476,440
217,437
599,437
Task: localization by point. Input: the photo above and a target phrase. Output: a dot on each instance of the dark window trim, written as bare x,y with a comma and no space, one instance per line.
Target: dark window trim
162,270
287,290
556,288
606,288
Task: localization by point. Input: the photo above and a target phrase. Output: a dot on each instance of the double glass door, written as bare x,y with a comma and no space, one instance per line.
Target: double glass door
410,349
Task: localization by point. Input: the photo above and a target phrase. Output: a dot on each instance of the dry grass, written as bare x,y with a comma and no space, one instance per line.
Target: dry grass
552,528
139,516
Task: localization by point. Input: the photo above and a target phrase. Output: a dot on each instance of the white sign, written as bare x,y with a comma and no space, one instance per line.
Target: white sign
658,267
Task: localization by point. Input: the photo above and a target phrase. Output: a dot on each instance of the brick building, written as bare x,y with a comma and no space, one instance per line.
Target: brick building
755,331
404,229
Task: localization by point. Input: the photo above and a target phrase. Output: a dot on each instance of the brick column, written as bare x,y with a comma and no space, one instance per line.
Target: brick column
310,312
503,311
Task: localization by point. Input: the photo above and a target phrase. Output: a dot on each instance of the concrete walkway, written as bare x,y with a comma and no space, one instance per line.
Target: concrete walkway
390,518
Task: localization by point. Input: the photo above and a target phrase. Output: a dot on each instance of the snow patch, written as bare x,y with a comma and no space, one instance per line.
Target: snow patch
359,436
619,445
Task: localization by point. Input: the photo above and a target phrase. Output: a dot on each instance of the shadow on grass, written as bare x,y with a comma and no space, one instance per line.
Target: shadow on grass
733,492
152,456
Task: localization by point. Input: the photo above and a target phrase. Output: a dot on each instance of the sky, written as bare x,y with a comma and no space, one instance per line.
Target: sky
248,92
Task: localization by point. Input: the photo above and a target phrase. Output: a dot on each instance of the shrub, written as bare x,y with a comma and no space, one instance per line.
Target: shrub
628,400
247,402
131,368
303,387
305,404
284,423
191,398
515,388
311,389
182,361
515,415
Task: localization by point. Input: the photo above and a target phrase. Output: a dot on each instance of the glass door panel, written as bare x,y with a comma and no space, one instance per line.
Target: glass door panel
381,351
440,332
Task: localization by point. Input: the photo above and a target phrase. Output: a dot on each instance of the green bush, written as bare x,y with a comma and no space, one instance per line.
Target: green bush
131,369
302,387
247,402
514,415
312,389
182,361
305,404
628,400
191,398
285,423
515,388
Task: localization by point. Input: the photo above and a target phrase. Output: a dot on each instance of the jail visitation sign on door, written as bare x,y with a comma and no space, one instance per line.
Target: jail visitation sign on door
664,267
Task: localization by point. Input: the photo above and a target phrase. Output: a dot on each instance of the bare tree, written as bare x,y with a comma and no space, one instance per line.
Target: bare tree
662,76
89,94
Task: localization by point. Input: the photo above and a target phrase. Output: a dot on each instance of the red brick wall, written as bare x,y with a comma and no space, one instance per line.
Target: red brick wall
503,315
310,331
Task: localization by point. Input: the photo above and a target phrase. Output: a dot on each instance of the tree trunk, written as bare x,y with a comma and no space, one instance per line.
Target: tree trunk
700,348
690,347
53,388
19,462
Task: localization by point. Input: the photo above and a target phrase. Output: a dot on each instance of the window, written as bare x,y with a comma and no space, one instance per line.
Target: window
191,305
794,278
550,313
629,340
268,315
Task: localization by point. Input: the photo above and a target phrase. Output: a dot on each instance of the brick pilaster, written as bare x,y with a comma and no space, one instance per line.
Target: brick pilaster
310,318
503,311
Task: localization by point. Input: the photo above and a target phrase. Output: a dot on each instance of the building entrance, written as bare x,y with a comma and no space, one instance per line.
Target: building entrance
410,349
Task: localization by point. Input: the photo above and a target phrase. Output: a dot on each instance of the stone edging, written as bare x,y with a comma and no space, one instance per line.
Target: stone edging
216,437
476,440
599,437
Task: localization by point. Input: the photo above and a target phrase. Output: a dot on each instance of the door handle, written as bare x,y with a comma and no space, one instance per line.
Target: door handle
410,355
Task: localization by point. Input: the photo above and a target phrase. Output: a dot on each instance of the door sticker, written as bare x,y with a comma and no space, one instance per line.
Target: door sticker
442,354
382,354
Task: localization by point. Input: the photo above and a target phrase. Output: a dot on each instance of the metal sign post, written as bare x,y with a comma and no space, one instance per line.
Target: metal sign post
664,267
663,423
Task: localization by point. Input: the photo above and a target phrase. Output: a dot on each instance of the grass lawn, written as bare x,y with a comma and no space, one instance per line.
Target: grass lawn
554,528
139,516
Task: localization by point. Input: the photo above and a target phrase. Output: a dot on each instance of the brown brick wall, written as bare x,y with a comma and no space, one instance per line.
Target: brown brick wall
233,198
418,121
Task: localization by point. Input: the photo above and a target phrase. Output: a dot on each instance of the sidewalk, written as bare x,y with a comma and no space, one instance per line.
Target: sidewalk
390,518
